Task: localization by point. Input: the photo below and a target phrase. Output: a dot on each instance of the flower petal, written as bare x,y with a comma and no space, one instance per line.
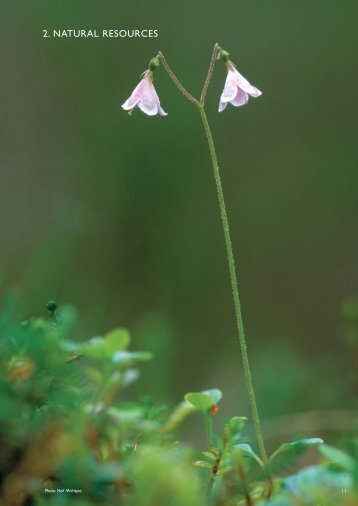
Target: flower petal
241,98
148,106
222,106
155,95
245,85
149,102
133,100
145,96
230,88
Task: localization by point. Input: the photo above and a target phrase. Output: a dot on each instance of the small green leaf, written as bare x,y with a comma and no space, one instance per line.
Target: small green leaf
248,452
127,358
201,463
101,348
116,340
337,457
300,444
233,429
209,455
203,401
287,452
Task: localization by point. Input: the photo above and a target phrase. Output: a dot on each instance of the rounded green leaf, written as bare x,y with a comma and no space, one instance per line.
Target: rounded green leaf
203,401
116,340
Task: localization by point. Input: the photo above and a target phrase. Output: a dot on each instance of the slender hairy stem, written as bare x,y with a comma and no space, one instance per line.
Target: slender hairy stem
230,254
210,73
209,429
234,287
176,80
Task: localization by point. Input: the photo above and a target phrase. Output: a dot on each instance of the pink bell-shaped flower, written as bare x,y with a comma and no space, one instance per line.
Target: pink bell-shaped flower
145,97
237,89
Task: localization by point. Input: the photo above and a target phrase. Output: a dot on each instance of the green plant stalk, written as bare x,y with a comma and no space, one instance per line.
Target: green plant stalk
229,250
234,287
209,428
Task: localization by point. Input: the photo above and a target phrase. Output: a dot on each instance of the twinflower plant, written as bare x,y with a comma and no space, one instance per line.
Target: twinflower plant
236,91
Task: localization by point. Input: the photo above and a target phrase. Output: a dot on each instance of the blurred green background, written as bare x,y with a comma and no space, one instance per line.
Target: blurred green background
118,215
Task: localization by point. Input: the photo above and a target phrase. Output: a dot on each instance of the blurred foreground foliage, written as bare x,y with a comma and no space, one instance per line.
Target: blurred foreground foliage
69,433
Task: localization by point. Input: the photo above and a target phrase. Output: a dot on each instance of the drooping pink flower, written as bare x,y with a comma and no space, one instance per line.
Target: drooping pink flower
237,89
145,97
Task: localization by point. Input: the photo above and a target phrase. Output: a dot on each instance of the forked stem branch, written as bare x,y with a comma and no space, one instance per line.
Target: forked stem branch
176,80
